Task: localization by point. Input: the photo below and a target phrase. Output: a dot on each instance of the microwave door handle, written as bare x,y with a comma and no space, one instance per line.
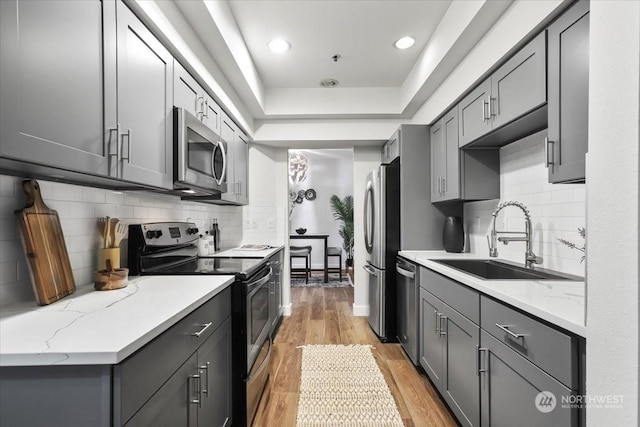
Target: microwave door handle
220,145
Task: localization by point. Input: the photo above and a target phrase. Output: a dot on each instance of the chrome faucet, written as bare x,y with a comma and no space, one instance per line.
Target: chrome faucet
530,257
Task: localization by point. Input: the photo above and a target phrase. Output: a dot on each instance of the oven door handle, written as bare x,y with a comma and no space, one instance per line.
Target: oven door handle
251,286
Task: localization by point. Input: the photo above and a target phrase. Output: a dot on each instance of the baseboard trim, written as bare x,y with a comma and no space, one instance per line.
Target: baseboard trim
286,310
361,310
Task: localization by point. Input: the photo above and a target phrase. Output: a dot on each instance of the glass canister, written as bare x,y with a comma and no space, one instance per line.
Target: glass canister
453,234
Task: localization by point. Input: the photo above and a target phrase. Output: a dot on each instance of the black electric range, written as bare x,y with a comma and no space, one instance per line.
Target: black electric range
170,248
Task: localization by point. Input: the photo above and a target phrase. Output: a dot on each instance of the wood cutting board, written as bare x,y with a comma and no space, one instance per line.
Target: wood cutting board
43,244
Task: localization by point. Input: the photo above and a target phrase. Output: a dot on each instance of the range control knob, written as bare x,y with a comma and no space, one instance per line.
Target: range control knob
192,231
154,233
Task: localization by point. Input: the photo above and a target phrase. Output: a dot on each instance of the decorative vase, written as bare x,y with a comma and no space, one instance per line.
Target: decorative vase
453,234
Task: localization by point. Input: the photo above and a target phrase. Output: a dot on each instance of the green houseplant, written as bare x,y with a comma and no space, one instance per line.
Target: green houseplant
343,212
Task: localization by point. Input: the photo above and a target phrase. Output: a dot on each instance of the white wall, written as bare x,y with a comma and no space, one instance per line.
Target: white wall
364,161
612,211
330,172
557,210
78,208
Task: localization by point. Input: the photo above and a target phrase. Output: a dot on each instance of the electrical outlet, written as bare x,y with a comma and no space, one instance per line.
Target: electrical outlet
272,223
254,223
247,223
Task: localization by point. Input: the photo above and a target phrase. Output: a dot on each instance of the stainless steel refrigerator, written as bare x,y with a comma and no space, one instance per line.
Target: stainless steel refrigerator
382,242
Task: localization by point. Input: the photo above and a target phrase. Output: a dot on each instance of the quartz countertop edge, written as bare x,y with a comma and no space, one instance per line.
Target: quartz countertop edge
101,327
559,302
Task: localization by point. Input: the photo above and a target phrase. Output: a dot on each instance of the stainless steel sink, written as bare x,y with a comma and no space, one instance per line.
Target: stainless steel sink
500,270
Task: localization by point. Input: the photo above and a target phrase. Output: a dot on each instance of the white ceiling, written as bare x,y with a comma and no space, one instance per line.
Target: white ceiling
377,81
361,32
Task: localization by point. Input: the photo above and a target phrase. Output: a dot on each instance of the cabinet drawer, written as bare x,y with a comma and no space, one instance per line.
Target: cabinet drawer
461,298
550,349
138,377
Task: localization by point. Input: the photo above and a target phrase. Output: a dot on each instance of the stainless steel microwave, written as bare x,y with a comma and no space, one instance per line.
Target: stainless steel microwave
200,156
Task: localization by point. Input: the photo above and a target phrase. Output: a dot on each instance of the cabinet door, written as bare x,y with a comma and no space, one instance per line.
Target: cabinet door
451,163
171,405
145,102
241,168
520,85
214,364
438,166
212,116
431,342
57,83
568,94
187,93
510,388
228,135
474,115
460,382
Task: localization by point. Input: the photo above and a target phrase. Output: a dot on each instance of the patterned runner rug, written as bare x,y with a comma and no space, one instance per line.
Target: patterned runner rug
343,386
317,279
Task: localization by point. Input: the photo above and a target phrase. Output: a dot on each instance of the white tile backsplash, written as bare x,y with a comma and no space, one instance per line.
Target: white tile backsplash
79,207
557,210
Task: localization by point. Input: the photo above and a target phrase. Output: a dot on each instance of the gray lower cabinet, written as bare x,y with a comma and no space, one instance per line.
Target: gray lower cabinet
58,84
568,136
449,347
461,174
511,387
188,94
182,378
197,394
513,90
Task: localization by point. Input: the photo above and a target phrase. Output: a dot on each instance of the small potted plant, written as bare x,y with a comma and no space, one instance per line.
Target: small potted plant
343,212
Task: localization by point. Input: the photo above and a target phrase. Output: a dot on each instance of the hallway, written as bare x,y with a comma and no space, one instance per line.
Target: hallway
324,316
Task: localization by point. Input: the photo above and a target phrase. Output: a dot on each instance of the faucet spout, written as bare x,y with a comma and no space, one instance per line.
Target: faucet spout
530,257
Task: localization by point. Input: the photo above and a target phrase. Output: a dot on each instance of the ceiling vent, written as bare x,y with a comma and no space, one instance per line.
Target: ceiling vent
329,83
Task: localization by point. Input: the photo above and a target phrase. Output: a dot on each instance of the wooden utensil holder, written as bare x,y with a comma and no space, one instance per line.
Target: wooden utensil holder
109,253
106,280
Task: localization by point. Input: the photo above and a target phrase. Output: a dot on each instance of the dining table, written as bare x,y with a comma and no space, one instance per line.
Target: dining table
316,236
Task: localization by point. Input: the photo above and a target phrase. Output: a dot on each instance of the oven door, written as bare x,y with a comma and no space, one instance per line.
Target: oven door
257,326
201,156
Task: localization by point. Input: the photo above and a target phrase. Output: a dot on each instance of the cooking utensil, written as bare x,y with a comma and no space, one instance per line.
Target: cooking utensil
119,233
102,228
44,247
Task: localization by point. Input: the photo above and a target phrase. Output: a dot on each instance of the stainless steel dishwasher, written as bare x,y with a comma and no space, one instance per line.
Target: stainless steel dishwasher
408,287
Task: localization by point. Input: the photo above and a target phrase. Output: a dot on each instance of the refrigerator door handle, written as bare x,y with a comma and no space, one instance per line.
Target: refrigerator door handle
369,211
370,270
404,272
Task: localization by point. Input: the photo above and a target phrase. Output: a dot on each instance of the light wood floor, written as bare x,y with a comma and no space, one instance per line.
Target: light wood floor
324,316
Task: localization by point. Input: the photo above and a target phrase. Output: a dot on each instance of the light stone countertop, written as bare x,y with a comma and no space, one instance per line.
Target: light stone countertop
101,327
559,302
242,253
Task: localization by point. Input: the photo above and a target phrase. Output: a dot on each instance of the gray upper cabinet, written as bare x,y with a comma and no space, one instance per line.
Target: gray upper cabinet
237,144
461,174
145,102
568,139
516,88
188,94
57,84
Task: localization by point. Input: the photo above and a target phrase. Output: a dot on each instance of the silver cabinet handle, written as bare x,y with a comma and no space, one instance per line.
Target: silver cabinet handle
505,328
128,135
491,113
200,101
205,368
117,131
479,364
196,378
444,185
205,112
484,109
201,331
547,141
443,330
437,322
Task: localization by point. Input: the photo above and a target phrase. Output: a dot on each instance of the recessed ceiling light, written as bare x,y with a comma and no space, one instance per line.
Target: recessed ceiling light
404,42
329,83
279,45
